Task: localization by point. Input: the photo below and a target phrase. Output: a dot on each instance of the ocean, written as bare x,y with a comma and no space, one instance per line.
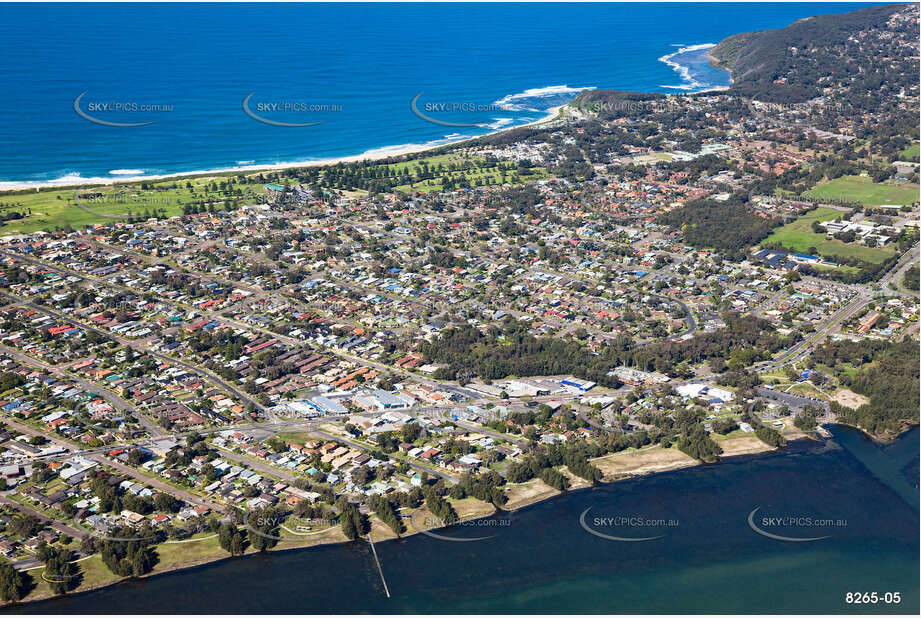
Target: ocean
705,556
179,74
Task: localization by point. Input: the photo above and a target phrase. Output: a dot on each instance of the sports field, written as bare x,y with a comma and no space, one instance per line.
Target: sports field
53,209
864,190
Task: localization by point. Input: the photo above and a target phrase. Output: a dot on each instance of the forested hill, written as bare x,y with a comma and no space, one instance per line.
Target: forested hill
870,53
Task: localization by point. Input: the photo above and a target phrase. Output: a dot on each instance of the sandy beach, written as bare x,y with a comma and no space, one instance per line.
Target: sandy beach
369,155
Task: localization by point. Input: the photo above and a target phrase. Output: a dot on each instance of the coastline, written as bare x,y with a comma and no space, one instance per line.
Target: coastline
685,73
124,175
469,509
373,154
715,63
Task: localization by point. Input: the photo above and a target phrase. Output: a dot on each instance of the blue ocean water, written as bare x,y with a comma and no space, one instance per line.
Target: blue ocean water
352,68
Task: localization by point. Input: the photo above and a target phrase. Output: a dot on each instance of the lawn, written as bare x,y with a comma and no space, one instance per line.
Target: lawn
798,236
454,166
296,437
911,153
864,190
850,270
94,574
55,208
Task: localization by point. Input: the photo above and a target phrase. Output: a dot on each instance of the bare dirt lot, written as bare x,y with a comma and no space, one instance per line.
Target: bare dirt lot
849,398
523,494
743,445
643,461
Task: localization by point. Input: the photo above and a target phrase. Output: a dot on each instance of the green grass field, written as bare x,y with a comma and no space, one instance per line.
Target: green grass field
798,235
851,270
470,167
297,437
864,190
51,209
55,209
911,153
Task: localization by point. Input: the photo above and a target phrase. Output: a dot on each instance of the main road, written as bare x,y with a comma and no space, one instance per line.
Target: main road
864,296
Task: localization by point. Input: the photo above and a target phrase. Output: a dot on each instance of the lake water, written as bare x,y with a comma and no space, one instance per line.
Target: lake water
708,558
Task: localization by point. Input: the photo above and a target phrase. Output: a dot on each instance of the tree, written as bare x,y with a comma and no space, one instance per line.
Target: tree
236,545
554,478
167,503
806,420
354,523
439,507
230,539
141,563
263,524
362,475
25,526
61,574
129,552
724,426
13,583
699,445
411,432
910,280
770,436
384,510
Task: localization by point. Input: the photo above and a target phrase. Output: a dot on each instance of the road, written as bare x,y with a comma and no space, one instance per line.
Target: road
414,466
864,296
255,464
97,456
688,317
140,347
62,528
117,402
139,344
896,273
801,349
154,482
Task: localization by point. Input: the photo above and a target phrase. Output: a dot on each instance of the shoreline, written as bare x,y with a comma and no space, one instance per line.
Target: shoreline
545,493
488,510
685,72
716,64
328,536
373,154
